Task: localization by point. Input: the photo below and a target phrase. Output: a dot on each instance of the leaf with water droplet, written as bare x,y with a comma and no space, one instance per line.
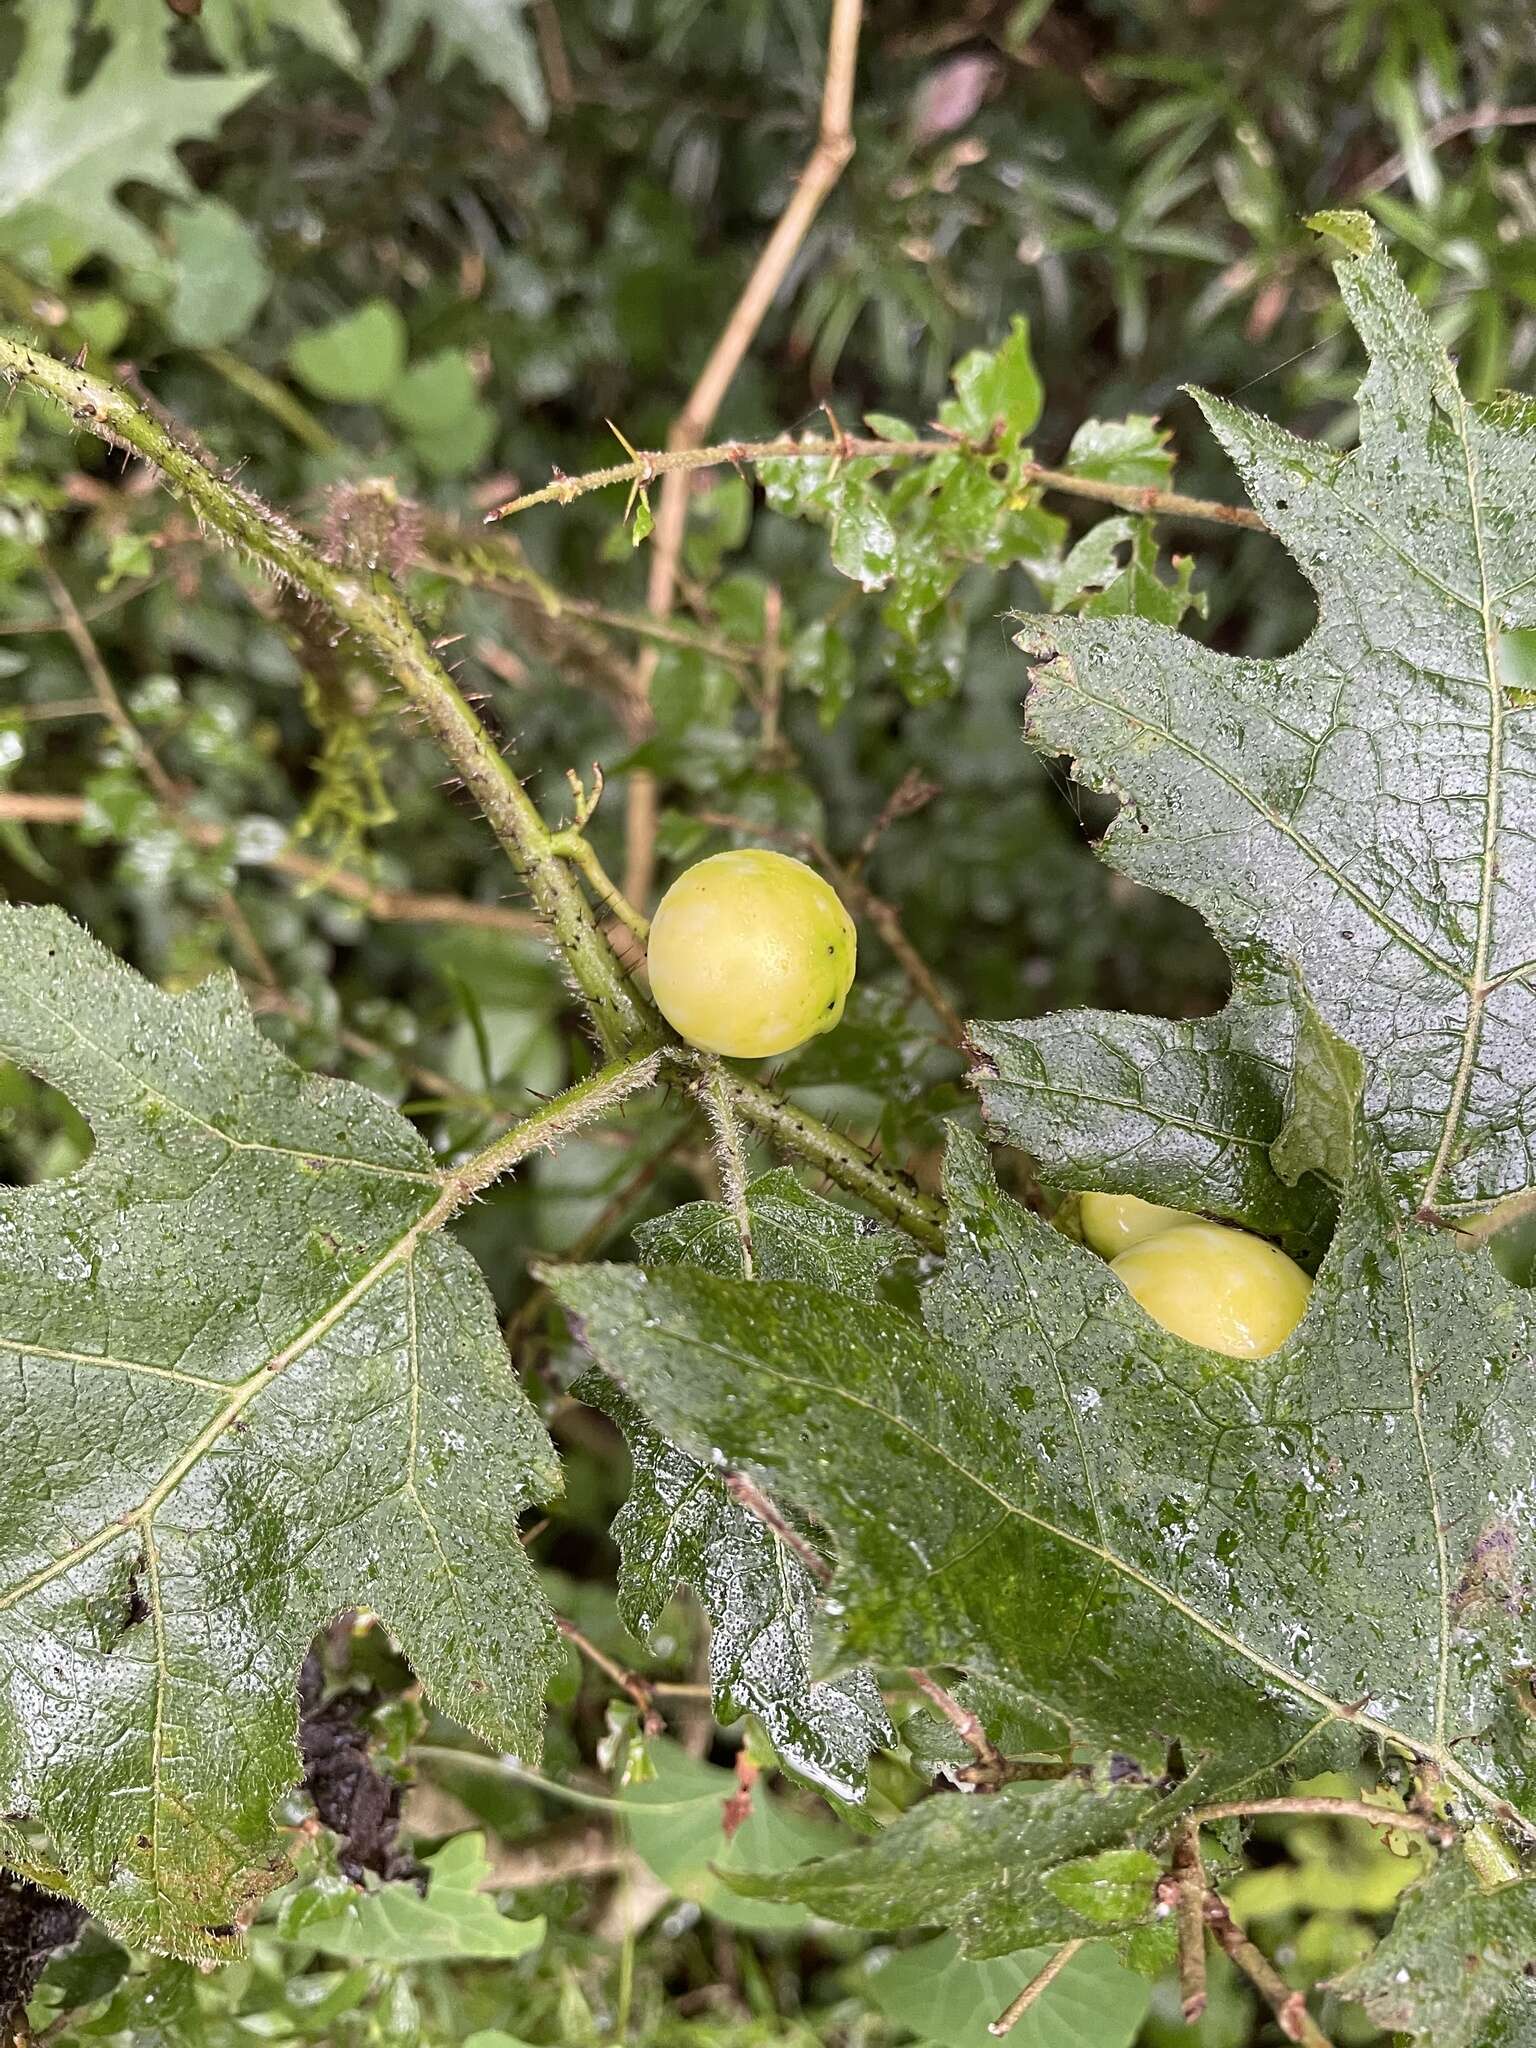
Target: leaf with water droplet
1036,1484
1361,813
680,1525
243,1386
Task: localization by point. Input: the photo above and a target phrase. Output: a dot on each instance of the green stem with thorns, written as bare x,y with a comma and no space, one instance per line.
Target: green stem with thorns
371,609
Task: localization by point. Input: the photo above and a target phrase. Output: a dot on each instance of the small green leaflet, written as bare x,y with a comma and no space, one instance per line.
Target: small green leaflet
1038,1483
243,1388
357,359
1322,1113
457,1920
247,25
1361,813
916,535
64,153
681,1526
219,277
1129,451
997,391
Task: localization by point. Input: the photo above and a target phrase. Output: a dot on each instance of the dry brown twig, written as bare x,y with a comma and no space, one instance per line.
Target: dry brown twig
648,464
823,168
964,1720
1007,2021
1479,120
1409,1821
55,707
747,1494
1181,1891
1186,1892
1289,2007
639,1690
167,792
73,626
991,1769
389,906
26,807
515,583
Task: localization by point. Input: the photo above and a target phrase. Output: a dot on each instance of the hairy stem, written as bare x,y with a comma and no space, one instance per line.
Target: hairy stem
730,1157
372,611
891,1193
559,1118
648,465
573,845
471,564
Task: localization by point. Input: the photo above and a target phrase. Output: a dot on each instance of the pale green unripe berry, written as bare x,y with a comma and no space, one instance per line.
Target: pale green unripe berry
751,953
1113,1223
1222,1288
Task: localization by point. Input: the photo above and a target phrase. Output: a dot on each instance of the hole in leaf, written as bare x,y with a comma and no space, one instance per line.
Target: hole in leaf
1517,664
1514,1248
42,1135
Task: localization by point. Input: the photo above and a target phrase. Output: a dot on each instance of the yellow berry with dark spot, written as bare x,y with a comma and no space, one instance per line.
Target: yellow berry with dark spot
751,953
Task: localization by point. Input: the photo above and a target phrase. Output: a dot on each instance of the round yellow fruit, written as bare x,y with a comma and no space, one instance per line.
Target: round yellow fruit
1222,1288
1113,1223
751,953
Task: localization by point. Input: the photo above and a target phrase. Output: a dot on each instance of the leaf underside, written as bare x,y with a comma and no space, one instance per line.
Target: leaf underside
243,1389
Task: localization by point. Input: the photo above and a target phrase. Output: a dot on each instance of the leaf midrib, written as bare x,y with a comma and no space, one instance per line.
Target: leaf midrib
1069,680
1477,991
1132,1107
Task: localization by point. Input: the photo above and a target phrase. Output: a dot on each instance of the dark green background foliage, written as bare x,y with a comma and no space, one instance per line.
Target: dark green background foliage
388,263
